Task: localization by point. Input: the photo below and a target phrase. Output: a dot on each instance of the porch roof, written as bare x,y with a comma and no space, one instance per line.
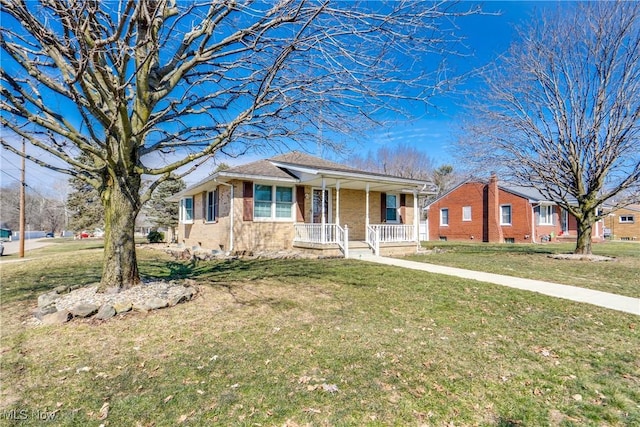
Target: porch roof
300,168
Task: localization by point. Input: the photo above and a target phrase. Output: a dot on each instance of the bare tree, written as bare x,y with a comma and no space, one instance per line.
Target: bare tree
562,108
408,162
399,160
151,87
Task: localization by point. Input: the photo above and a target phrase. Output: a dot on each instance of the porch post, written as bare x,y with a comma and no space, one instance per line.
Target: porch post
323,235
338,202
366,215
416,219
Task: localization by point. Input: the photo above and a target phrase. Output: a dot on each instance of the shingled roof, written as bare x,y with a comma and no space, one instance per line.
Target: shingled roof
294,166
258,168
302,159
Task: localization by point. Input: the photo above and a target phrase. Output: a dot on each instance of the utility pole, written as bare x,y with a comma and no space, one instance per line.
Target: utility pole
23,184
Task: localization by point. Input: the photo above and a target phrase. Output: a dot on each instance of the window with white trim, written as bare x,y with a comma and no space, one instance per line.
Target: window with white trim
627,219
505,215
392,208
186,210
212,205
545,216
444,216
272,202
466,213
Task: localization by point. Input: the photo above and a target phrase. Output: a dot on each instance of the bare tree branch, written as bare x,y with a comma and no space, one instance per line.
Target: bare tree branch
562,111
120,83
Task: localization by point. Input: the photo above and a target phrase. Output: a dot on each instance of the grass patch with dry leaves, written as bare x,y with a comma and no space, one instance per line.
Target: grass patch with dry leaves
317,342
621,276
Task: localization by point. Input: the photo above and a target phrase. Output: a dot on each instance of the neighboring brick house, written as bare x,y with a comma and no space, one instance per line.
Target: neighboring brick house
297,201
623,224
488,211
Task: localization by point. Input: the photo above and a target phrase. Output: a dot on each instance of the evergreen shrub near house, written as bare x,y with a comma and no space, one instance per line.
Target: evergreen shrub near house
155,237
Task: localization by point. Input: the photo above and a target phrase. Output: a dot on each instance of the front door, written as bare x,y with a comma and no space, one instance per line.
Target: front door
317,206
564,221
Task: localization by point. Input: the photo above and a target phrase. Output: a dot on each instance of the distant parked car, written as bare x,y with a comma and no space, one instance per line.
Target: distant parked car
49,235
1,248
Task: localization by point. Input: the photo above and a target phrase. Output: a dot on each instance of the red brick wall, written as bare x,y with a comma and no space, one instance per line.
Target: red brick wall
485,215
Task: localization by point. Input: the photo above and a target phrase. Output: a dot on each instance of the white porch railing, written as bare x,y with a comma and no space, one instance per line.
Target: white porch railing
396,232
373,239
323,234
389,233
333,233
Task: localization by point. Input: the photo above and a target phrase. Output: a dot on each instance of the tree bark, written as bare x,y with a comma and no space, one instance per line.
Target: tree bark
583,242
121,206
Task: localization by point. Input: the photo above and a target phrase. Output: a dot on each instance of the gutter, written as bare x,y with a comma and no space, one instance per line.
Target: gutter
231,216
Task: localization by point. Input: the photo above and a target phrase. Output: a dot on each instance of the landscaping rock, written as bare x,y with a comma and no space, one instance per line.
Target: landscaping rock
139,306
39,313
84,310
57,318
122,307
186,295
62,289
47,299
156,303
105,312
86,301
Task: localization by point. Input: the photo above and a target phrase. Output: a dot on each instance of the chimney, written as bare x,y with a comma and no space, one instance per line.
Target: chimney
493,211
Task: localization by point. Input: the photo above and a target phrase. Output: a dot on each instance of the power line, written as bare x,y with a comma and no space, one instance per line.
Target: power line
9,175
30,187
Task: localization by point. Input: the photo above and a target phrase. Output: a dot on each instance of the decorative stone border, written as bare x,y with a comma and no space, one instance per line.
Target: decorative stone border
63,304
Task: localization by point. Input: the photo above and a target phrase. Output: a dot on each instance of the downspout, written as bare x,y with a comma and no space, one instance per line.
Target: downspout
231,216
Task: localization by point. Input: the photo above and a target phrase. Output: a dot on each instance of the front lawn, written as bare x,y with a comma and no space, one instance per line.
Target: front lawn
316,342
621,276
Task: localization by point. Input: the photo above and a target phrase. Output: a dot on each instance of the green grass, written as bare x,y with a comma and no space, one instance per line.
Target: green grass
264,336
621,276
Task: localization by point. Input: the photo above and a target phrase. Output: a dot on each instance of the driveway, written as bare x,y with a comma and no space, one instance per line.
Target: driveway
13,247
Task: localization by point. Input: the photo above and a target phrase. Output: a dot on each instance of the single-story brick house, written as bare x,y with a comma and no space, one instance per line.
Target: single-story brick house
623,224
295,201
498,212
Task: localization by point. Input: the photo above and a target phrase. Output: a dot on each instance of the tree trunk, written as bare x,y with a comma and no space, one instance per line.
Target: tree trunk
583,243
120,266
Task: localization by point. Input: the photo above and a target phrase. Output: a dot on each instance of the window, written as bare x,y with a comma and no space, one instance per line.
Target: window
392,208
546,215
444,216
262,201
505,215
626,219
284,200
466,213
212,205
272,202
186,210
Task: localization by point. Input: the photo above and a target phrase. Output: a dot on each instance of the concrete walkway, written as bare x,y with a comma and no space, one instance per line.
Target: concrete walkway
573,293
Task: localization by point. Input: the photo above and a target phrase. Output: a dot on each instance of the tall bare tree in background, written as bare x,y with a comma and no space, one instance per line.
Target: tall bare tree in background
152,87
407,161
562,111
398,160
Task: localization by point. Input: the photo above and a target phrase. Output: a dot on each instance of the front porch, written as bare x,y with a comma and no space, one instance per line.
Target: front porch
333,239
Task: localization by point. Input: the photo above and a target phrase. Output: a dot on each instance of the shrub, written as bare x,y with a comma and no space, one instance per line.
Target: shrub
155,237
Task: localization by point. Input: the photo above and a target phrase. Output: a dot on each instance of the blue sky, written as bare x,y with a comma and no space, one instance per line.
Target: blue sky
486,36
432,131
